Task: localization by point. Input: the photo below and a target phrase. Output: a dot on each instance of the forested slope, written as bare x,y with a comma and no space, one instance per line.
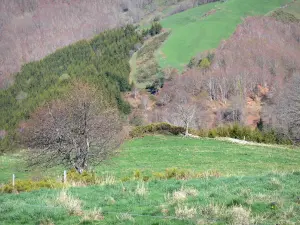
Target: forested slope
103,61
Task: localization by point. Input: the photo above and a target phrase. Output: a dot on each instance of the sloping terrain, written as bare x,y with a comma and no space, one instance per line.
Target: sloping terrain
293,8
203,28
262,187
153,154
253,65
32,29
101,61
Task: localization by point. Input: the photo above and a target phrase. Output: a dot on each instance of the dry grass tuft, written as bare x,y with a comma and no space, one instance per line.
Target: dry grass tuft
214,211
191,191
240,216
141,189
108,180
110,200
46,222
77,184
125,217
179,196
73,205
185,212
275,183
93,215
182,194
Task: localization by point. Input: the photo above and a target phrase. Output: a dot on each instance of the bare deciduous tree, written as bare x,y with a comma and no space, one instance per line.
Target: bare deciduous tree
288,109
76,131
185,113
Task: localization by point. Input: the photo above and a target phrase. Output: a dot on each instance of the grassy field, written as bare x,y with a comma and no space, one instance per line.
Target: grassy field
258,185
203,28
157,153
269,199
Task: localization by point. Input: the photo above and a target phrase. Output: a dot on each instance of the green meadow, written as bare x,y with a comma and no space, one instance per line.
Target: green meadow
203,28
256,184
152,154
157,153
268,199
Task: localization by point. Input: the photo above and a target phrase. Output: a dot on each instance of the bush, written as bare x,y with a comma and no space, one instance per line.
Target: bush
29,185
85,177
155,29
156,128
233,131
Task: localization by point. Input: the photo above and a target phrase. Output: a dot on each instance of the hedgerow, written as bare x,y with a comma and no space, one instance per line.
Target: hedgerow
233,131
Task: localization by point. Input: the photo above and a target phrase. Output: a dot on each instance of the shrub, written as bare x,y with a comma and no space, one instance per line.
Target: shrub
85,177
212,133
233,131
29,185
156,128
284,17
155,29
125,179
158,175
137,174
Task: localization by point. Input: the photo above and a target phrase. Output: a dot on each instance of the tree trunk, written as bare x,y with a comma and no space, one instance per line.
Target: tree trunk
187,130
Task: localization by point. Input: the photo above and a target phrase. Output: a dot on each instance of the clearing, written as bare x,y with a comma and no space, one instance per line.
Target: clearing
203,28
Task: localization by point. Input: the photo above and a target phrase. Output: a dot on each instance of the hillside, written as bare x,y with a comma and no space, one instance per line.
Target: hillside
150,112
240,80
254,184
102,61
203,28
155,154
33,29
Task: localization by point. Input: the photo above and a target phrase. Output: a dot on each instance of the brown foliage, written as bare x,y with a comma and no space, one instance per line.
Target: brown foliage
287,110
256,61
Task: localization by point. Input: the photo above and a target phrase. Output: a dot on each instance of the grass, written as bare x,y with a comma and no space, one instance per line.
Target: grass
258,186
157,153
203,28
15,164
268,199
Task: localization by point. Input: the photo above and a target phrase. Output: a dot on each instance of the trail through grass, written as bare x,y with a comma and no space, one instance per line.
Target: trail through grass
203,28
